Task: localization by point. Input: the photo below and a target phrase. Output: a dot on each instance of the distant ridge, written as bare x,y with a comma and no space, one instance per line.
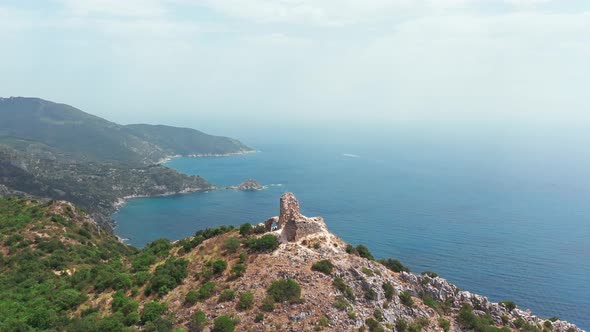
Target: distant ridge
63,132
55,151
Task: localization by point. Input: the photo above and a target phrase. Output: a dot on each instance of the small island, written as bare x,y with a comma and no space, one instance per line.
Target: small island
248,185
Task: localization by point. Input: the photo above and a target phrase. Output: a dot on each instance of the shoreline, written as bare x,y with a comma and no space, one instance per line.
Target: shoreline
204,155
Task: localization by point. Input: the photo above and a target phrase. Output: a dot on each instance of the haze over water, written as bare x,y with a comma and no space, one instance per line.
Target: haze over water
503,217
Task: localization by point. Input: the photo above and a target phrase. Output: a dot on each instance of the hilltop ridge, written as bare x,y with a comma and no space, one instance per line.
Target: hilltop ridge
263,277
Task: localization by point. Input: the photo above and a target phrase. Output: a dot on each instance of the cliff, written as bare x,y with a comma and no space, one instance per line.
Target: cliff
286,274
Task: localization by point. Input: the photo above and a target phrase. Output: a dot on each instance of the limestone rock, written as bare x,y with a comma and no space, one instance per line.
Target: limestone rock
250,184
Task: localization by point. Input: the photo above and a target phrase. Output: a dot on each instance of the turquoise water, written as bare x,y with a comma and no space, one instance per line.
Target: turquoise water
508,222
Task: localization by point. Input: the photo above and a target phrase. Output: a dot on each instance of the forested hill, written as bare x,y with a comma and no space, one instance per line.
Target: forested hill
61,131
56,151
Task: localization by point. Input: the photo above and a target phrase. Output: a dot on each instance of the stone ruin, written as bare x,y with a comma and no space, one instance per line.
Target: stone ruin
291,225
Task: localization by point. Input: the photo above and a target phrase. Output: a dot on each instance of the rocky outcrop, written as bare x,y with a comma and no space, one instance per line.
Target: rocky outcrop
248,185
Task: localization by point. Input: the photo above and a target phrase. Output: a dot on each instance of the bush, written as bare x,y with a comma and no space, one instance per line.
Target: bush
373,325
198,321
401,325
206,291
370,294
232,244
341,303
364,252
444,324
265,243
429,301
394,265
245,229
152,311
227,295
238,270
341,285
509,305
324,266
378,314
388,290
246,300
223,324
284,290
350,249
191,297
268,304
406,298
219,266
368,272
168,276
259,317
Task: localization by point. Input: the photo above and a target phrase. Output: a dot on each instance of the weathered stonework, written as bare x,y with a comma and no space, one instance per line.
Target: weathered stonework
292,226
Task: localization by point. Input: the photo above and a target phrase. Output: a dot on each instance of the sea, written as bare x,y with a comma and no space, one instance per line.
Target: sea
504,217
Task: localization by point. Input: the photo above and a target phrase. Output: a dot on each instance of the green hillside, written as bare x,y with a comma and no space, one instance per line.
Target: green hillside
64,132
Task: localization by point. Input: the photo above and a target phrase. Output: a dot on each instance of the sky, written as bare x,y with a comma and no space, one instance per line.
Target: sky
235,67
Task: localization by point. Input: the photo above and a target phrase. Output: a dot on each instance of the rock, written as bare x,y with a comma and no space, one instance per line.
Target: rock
250,184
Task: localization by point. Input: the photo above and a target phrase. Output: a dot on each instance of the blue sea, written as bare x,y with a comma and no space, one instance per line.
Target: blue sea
503,218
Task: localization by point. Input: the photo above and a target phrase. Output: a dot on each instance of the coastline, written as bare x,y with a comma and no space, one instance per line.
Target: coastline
204,155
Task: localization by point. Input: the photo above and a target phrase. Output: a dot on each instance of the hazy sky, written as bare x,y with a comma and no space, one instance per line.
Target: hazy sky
219,65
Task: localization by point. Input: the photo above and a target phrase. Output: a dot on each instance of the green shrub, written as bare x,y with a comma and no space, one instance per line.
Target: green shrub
341,285
238,270
323,322
242,257
232,244
370,294
367,271
350,249
284,290
401,325
259,317
206,291
227,295
509,305
245,229
406,298
378,314
265,243
324,266
213,232
429,301
198,321
246,300
364,252
218,266
223,324
394,265
152,311
268,304
388,290
191,297
341,303
373,325
444,324
168,275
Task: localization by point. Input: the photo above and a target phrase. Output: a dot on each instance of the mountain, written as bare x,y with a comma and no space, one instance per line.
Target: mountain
56,151
63,132
59,271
